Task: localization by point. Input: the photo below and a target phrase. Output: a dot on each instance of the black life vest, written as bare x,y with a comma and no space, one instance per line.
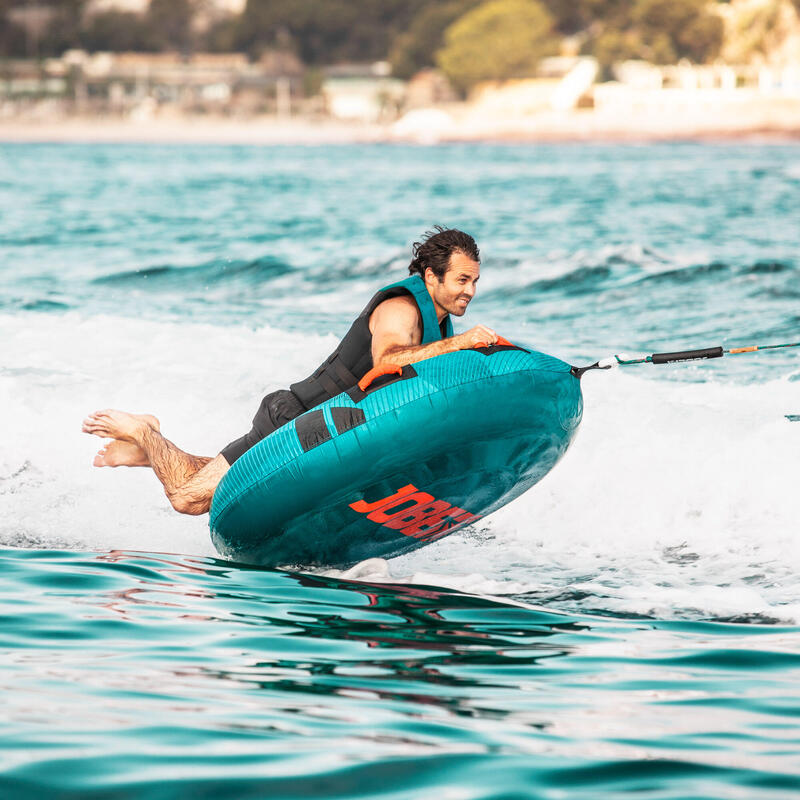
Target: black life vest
352,359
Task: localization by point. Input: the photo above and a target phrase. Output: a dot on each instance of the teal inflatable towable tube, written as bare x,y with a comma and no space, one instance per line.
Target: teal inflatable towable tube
404,461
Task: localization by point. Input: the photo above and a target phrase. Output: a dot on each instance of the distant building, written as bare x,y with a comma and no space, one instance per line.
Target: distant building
139,84
362,92
429,87
564,83
141,6
94,7
687,89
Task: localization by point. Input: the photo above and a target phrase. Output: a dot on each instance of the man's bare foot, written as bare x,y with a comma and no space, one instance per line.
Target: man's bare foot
121,454
112,424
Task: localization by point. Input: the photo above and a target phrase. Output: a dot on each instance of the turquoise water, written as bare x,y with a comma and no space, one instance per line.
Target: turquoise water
629,628
161,676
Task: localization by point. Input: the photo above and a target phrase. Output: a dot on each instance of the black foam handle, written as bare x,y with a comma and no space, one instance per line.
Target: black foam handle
688,355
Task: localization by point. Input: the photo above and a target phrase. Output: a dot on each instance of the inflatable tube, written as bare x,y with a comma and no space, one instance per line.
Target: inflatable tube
408,459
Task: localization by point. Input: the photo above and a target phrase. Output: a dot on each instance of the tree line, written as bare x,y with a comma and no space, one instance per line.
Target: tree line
469,40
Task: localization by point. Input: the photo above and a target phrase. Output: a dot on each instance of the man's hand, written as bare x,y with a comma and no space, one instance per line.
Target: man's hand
401,356
480,334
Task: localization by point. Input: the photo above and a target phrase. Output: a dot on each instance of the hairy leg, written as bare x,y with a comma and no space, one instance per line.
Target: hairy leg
189,481
195,496
172,466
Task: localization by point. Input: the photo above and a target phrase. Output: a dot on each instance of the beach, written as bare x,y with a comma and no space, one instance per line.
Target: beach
757,120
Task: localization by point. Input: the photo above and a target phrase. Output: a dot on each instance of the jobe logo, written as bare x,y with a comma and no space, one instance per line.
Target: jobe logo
415,513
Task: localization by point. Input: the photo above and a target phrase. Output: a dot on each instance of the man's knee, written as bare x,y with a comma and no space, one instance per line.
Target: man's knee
192,507
190,503
195,496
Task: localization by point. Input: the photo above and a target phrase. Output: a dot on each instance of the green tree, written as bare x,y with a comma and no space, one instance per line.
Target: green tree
499,39
329,31
612,46
12,36
575,16
117,31
64,30
170,24
674,29
222,36
36,30
660,31
415,48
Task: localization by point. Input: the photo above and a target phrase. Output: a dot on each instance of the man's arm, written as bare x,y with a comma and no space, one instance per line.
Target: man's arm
397,333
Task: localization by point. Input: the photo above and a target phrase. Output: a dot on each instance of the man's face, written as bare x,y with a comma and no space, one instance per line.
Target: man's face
457,287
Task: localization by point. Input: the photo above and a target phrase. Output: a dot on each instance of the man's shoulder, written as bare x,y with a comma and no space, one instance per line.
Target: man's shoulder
399,304
400,310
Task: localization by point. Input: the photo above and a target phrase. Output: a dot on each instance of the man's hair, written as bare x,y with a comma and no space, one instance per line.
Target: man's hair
437,246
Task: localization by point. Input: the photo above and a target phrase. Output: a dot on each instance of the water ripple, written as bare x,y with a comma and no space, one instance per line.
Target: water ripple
176,670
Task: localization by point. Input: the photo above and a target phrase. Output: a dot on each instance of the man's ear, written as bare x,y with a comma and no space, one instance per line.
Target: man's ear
430,277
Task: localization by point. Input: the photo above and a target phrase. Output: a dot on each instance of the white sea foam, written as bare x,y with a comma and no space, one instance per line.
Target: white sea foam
793,170
204,382
675,497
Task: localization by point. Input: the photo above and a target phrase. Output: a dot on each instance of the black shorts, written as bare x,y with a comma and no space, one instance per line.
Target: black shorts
276,409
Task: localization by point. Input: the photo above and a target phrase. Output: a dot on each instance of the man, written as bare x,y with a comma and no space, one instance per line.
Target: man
405,322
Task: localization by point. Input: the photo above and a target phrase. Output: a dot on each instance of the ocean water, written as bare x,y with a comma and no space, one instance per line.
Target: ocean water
628,628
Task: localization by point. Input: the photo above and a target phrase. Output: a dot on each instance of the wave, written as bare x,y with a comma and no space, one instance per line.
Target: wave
195,677
45,305
619,269
251,273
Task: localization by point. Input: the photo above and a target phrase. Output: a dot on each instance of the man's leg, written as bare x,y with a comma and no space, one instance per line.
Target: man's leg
195,496
189,481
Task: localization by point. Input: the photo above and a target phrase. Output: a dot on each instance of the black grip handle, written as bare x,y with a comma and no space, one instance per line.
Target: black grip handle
688,355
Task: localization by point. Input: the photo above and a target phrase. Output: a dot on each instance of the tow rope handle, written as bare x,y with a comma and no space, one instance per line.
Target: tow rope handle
687,355
623,360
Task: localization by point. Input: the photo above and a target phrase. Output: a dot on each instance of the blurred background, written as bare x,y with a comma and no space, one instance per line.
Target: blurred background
427,70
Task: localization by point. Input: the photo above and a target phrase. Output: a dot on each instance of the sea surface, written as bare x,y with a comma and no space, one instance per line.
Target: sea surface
630,628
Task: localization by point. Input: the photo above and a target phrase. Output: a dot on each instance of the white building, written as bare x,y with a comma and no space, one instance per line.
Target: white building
211,7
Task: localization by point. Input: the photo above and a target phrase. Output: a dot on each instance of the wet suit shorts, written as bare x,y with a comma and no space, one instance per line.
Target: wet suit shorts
276,409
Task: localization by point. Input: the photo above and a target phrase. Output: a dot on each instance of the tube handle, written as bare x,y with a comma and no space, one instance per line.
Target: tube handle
501,342
377,372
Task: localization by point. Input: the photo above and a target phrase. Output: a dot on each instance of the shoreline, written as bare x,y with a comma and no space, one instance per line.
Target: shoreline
547,128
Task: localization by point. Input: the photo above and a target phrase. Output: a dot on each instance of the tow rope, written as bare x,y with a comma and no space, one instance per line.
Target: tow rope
624,360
